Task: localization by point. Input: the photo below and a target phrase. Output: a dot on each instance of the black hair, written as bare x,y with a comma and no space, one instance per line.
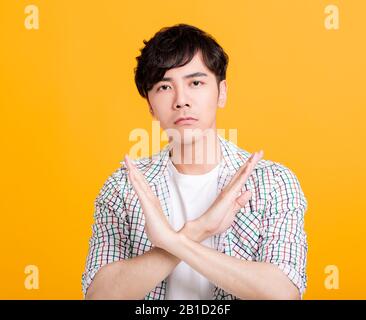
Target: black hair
173,47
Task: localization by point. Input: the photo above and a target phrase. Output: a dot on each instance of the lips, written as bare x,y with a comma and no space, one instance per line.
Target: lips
185,120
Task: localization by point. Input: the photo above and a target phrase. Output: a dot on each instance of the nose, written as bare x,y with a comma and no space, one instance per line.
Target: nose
178,106
181,99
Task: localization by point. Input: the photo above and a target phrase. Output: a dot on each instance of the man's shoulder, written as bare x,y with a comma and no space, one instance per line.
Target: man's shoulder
111,187
277,183
118,178
267,165
269,172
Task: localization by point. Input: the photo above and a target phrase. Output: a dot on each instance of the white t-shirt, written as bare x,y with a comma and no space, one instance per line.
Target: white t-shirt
191,196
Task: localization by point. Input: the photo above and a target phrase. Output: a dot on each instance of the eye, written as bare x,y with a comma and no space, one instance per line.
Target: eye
196,83
164,86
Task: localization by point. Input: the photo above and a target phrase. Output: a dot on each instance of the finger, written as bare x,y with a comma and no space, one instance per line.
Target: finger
238,172
252,162
242,169
143,198
241,201
249,168
246,172
137,177
244,198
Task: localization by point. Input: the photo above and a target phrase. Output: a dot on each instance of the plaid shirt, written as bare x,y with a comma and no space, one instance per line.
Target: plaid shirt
269,228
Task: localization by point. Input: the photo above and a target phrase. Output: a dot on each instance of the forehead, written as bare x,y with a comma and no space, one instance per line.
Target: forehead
195,65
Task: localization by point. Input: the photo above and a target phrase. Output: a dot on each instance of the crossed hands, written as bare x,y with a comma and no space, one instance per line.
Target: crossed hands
215,220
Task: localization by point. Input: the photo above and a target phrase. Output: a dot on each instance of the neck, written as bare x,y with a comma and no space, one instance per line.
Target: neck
198,157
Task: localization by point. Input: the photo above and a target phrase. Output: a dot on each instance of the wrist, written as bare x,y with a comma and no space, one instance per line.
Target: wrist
195,230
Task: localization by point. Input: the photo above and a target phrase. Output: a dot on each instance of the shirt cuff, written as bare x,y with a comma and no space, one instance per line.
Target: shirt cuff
298,279
87,279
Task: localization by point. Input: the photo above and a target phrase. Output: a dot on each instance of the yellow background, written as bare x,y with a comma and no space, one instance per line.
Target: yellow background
68,103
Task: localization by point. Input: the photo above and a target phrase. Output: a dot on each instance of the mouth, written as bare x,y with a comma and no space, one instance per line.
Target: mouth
185,121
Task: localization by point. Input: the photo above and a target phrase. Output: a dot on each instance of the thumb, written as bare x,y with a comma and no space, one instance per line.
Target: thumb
243,198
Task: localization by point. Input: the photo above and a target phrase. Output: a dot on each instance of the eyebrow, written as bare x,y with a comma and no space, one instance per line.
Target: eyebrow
192,75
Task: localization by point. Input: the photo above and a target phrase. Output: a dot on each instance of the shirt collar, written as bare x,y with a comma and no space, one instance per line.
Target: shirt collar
156,165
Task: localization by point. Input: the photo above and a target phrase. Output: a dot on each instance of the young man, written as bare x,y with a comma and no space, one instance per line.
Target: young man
223,225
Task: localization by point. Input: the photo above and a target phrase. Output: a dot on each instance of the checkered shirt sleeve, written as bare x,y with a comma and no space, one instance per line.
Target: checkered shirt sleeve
110,239
283,239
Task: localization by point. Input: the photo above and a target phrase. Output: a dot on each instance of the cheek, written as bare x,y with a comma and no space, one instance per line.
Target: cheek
158,102
162,99
207,102
161,113
208,95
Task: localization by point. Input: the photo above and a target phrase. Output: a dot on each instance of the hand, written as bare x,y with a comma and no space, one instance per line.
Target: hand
157,226
222,212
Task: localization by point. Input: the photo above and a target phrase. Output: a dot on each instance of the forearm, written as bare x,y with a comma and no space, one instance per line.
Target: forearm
244,279
134,278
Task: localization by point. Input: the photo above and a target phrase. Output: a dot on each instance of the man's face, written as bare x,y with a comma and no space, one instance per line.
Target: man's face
187,91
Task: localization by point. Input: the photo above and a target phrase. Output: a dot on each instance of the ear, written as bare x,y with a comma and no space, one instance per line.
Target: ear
150,108
222,94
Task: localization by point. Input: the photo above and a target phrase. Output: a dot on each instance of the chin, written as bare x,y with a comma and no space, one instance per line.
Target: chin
189,134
